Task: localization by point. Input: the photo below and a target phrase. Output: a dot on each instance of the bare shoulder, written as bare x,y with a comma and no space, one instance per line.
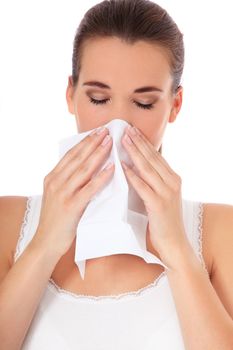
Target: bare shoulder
217,230
218,238
12,209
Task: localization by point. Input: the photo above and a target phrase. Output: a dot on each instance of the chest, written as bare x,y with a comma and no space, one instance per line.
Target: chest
108,275
116,274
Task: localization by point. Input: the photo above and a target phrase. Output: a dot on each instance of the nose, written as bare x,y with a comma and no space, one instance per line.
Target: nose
127,120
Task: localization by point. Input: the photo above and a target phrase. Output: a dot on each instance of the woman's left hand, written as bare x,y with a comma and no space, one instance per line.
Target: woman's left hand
160,189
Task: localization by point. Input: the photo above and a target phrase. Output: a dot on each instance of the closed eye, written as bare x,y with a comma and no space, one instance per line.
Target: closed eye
140,105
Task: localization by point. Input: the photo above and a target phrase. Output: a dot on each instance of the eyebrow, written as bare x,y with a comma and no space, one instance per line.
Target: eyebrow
139,90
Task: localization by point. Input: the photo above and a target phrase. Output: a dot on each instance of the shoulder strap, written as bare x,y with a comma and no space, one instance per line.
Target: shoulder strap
29,224
193,218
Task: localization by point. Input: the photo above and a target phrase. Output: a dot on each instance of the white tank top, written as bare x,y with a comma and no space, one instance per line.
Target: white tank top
144,319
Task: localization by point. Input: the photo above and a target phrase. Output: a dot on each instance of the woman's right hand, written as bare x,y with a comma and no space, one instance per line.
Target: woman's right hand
68,188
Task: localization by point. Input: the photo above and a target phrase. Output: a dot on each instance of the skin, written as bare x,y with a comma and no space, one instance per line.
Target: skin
196,301
124,67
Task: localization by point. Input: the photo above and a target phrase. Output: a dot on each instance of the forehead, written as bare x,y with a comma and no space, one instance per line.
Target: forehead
114,60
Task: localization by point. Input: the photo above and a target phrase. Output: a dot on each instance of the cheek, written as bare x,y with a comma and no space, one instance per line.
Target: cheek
158,121
81,104
88,111
83,118
88,116
156,125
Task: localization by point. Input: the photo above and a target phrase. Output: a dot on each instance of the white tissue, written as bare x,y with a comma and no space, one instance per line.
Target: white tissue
115,220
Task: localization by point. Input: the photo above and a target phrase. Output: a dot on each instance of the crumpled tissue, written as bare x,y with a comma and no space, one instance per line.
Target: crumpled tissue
115,220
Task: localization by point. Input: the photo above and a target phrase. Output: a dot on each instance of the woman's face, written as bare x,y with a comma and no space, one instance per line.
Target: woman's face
120,69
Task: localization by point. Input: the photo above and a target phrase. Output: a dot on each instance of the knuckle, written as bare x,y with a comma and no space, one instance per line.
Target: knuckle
150,158
105,148
47,179
51,187
50,183
82,142
178,183
72,151
140,141
84,168
91,186
63,194
179,179
147,167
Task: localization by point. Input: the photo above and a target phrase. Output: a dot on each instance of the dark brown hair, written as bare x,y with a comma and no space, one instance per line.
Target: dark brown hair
131,20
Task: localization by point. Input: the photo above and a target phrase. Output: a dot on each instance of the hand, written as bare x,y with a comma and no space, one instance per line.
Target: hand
160,189
68,188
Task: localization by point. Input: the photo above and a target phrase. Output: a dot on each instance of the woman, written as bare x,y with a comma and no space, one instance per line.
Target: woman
123,302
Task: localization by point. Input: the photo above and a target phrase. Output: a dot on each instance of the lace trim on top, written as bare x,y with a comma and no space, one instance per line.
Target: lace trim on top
116,297
200,235
142,290
113,297
21,234
62,291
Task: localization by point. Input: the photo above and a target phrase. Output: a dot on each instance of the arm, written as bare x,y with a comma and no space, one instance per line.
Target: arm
205,322
22,283
21,291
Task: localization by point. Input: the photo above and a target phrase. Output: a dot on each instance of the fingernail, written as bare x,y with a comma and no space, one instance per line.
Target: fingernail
124,165
106,140
137,131
132,131
98,131
127,139
110,165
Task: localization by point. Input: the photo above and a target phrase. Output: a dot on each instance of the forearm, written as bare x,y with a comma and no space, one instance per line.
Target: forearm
20,293
204,322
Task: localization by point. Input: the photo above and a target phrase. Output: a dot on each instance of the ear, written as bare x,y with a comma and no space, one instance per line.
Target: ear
69,95
177,103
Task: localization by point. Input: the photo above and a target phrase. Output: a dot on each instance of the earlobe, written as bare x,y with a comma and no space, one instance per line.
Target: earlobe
69,95
176,105
173,115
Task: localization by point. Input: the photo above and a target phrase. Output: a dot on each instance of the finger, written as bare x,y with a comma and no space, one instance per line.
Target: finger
154,151
145,192
149,154
145,169
87,192
84,173
81,150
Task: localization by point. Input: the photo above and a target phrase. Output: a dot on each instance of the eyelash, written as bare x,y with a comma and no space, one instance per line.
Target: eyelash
97,102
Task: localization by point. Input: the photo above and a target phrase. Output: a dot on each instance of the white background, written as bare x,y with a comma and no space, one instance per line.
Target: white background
36,39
